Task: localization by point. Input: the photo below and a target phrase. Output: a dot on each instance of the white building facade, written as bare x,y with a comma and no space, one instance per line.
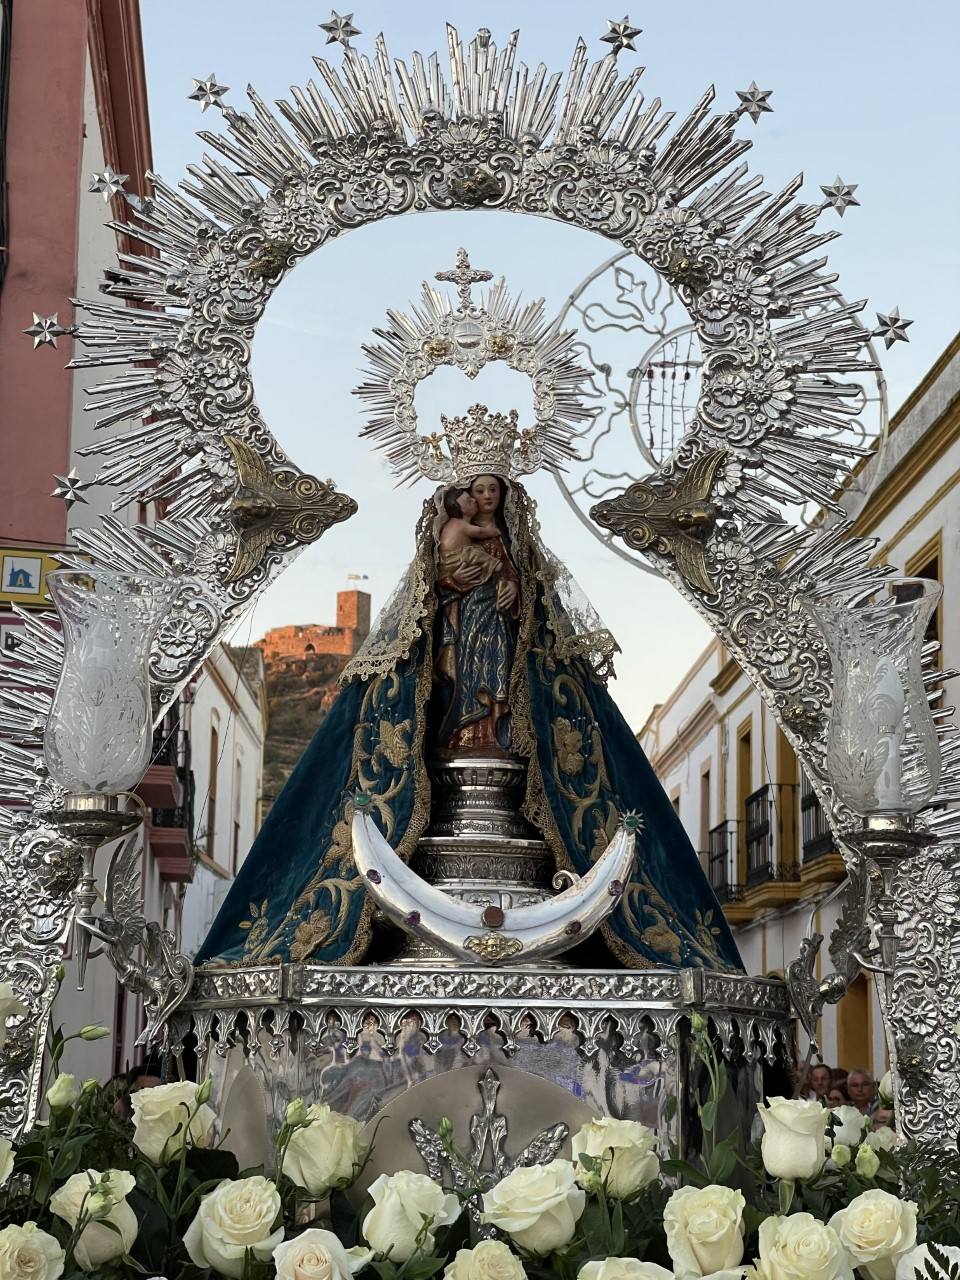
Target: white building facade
227,717
733,777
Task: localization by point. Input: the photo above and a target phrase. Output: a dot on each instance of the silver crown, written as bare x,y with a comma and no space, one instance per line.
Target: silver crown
470,336
482,443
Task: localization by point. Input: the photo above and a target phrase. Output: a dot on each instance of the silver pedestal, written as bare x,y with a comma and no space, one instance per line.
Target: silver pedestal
479,847
400,1043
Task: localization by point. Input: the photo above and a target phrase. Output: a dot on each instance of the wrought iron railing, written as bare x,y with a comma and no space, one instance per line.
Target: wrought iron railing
168,738
815,830
174,749
723,862
770,830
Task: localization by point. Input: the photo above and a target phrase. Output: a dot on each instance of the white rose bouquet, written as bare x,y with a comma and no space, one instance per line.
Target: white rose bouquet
92,1192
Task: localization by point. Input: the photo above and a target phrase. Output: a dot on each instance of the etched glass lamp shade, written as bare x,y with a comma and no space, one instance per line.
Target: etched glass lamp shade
883,754
98,736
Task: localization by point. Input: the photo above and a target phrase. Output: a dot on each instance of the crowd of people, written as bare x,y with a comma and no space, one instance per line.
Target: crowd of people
837,1087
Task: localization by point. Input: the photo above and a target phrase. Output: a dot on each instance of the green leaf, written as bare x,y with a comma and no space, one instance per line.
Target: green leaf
708,1113
722,1162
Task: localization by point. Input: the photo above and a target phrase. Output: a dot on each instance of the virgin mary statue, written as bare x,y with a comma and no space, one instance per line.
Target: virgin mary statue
485,647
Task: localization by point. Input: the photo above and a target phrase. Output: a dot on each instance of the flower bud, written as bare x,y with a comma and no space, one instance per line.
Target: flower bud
867,1162
840,1155
698,1023
885,1089
206,1088
63,1092
296,1112
94,1033
60,973
89,1086
445,1129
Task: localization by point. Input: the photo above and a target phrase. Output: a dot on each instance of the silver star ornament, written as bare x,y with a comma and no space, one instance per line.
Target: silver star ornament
109,183
754,101
45,330
208,93
840,195
621,35
340,30
892,328
70,488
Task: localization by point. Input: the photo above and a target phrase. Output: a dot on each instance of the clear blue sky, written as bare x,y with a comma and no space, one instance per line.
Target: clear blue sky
860,90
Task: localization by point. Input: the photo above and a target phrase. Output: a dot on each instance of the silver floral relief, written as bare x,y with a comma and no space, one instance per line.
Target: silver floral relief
381,138
315,1005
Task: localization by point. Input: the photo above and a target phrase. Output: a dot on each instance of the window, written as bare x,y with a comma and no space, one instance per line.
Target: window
927,563
744,786
675,801
212,791
705,815
237,799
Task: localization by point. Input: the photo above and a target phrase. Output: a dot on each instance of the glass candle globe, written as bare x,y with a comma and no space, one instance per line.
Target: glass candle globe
883,755
98,736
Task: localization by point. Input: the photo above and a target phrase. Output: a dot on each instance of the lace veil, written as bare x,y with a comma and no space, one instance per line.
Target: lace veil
576,626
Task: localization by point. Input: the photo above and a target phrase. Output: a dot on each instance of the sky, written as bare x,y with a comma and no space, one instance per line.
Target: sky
862,91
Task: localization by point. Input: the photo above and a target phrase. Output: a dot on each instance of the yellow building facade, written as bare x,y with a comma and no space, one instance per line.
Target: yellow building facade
730,772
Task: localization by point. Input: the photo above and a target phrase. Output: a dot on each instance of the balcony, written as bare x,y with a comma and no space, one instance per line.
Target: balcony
770,844
822,862
817,836
170,828
160,788
723,870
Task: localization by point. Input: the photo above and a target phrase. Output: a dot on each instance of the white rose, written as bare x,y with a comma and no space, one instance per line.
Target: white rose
236,1216
402,1203
634,1269
848,1125
317,1255
324,1152
160,1120
27,1253
877,1229
882,1139
6,1161
793,1139
63,1092
537,1205
489,1260
801,1248
106,1201
623,1269
885,1088
10,1007
627,1150
704,1227
919,1259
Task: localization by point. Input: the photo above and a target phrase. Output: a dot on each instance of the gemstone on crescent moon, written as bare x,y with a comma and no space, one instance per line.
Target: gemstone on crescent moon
493,917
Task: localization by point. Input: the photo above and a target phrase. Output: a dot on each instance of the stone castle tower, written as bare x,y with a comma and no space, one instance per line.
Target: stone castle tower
309,640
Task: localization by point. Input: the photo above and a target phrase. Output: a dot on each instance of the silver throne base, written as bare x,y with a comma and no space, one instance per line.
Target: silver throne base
400,1044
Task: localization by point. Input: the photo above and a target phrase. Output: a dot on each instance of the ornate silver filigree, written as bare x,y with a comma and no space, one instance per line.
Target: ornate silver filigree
383,138
487,1161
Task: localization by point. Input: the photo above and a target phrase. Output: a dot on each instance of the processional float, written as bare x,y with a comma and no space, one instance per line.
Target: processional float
462,1022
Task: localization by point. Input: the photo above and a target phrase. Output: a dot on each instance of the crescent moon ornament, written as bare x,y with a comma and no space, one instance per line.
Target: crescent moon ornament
484,934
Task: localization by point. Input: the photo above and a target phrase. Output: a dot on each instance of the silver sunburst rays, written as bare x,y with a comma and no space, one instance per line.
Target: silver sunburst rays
469,337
